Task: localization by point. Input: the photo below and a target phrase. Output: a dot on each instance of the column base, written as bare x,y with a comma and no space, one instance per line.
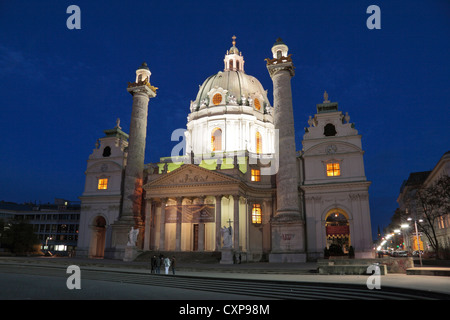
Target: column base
288,236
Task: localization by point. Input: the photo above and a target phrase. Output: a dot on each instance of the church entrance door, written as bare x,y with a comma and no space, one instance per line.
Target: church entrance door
337,231
98,238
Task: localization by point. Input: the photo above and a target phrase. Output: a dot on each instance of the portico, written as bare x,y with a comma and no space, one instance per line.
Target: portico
186,209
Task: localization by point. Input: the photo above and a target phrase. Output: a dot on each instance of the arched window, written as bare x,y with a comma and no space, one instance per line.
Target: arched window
231,64
258,142
216,139
256,214
107,151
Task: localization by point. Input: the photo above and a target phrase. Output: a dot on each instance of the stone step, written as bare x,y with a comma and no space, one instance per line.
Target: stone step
429,271
349,269
182,257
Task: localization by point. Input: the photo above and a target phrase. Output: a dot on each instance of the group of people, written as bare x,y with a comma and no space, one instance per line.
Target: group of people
157,262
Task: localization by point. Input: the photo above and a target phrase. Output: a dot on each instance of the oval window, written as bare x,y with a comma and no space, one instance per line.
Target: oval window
217,99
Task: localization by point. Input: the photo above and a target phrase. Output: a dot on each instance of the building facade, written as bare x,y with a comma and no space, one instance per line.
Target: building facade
56,224
411,209
240,175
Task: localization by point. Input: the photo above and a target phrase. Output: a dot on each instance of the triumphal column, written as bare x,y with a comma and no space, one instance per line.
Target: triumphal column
131,212
287,225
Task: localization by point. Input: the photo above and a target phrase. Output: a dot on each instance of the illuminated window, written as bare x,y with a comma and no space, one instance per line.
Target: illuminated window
216,140
217,99
258,143
257,104
102,184
333,169
256,214
256,175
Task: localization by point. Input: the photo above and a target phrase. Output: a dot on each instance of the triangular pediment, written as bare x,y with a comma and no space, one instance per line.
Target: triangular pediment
189,174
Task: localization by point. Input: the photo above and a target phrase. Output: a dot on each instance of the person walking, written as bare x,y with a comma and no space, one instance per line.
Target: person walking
167,264
157,265
172,263
153,264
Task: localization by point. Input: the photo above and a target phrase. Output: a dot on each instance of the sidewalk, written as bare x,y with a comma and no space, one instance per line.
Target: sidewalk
300,272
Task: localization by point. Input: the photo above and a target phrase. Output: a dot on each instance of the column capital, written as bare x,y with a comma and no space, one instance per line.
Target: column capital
284,66
179,200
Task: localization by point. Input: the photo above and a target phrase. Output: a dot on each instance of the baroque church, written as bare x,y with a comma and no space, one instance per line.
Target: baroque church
240,186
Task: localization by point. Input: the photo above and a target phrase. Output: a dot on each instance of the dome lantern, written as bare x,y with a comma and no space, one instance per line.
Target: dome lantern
234,61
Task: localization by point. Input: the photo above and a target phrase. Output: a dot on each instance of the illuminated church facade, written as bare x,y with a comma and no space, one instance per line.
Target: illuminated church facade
240,173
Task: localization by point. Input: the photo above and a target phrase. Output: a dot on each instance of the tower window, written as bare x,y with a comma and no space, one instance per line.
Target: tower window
217,99
256,175
333,169
107,151
256,214
329,130
258,143
216,140
102,184
279,54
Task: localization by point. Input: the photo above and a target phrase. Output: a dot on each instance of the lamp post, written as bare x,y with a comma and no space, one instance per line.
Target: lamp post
417,238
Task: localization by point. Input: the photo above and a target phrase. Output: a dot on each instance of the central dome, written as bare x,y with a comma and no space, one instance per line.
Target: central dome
236,88
231,112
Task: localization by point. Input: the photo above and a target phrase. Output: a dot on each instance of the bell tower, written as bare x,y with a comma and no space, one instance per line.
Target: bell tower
288,227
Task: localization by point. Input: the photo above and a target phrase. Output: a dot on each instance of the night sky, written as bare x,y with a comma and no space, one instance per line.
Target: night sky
61,88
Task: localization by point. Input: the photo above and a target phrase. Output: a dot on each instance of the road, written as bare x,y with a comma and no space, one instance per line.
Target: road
20,282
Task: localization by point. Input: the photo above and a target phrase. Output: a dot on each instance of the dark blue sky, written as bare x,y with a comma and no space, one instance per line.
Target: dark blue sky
61,88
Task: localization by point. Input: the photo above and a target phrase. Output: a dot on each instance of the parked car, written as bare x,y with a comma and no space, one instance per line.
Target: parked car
400,254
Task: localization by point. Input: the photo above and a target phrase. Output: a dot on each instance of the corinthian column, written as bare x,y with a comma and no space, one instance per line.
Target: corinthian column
130,215
287,225
132,190
281,70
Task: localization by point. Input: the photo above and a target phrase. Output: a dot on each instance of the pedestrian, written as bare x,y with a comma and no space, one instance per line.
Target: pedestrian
167,264
157,265
153,264
172,264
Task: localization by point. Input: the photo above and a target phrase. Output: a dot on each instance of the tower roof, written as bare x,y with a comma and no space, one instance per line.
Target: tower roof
144,66
278,42
116,131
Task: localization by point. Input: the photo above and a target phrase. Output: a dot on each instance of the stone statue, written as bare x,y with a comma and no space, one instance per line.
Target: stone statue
132,237
226,233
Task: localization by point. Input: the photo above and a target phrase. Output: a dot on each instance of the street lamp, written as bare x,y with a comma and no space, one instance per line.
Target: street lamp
417,238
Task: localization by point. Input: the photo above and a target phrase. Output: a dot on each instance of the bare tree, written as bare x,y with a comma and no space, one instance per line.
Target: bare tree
431,203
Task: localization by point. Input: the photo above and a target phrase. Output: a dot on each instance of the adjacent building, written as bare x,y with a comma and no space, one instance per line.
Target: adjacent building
56,225
407,204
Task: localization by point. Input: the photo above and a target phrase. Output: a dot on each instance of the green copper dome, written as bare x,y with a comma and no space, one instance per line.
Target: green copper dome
238,85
